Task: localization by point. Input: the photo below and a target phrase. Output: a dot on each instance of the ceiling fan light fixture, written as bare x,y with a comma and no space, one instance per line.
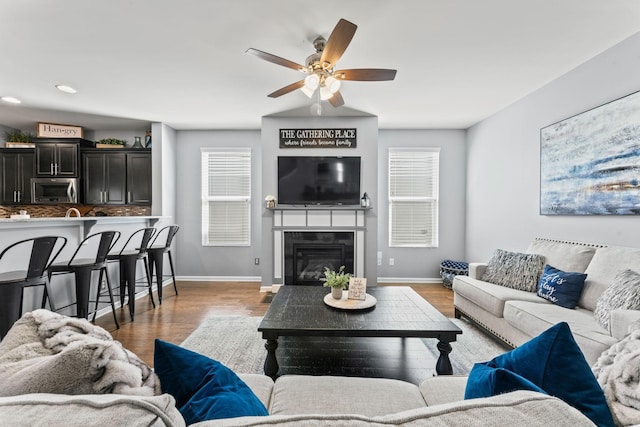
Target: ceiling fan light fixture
325,93
332,84
311,82
307,91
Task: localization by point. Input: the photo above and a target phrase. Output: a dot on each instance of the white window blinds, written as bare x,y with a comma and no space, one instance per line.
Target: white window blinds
226,197
413,197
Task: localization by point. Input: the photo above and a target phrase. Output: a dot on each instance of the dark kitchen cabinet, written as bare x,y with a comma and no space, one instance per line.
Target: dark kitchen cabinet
104,178
116,178
139,178
57,159
17,169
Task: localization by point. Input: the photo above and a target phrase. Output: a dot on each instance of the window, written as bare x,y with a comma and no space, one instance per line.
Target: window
413,197
226,197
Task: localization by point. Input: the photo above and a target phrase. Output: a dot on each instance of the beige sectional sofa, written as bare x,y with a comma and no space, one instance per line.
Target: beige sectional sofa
308,401
515,316
60,371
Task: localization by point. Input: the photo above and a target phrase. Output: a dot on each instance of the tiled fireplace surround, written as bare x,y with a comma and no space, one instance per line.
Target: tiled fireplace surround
306,239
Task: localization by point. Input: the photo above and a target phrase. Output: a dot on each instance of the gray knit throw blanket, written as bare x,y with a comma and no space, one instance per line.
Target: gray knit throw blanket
45,352
618,372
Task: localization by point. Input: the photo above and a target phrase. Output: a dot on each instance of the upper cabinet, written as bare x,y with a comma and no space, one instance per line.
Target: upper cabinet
139,178
57,159
16,171
116,177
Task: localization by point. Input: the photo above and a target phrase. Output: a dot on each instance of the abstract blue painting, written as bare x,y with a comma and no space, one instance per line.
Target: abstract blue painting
590,163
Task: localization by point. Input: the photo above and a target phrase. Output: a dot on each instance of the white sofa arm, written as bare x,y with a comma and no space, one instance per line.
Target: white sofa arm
620,321
477,269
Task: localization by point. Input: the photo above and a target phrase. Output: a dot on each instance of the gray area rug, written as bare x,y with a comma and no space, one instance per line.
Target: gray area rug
235,342
471,347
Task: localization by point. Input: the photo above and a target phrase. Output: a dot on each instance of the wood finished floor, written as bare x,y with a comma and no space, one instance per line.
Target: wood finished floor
180,315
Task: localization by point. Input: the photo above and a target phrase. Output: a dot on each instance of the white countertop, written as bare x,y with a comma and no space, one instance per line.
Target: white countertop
84,218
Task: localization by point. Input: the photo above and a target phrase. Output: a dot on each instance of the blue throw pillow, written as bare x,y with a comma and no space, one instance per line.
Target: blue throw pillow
551,363
560,287
204,388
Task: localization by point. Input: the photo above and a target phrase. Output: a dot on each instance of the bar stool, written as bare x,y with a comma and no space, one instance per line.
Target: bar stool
128,257
13,282
82,268
156,257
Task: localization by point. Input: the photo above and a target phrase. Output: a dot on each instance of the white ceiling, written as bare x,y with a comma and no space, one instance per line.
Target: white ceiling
183,62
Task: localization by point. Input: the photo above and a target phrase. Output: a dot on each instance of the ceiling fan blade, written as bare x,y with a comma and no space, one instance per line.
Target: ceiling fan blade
365,74
336,100
338,41
285,90
277,60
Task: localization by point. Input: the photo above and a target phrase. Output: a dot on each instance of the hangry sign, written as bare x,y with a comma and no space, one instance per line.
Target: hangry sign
318,138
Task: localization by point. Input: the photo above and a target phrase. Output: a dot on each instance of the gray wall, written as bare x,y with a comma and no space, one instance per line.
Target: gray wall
211,262
367,149
423,264
503,164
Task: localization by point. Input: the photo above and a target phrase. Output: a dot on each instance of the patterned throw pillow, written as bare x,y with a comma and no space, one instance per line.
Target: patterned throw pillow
624,292
514,270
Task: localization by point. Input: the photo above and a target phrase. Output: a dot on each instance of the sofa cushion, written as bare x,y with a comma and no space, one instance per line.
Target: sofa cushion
561,287
443,389
552,363
563,255
491,297
623,293
606,263
45,409
261,385
514,270
535,318
511,409
303,394
203,388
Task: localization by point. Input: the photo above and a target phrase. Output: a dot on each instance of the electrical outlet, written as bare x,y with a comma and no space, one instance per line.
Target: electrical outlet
379,257
256,261
392,261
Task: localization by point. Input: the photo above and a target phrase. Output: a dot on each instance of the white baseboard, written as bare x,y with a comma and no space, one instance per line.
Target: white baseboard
219,278
416,280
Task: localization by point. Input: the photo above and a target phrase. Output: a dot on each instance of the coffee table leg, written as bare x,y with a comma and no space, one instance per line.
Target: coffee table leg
443,366
271,363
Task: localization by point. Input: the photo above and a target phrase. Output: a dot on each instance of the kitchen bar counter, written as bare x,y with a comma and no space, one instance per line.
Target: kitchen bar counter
86,223
74,230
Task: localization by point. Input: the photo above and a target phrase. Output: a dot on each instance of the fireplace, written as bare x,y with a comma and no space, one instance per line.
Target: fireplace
306,254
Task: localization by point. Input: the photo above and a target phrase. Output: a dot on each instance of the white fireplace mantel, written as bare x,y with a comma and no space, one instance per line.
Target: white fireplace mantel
317,218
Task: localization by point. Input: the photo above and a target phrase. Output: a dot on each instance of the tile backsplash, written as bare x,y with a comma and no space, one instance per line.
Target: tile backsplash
57,211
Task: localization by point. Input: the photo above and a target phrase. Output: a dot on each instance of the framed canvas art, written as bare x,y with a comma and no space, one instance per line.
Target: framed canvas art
590,163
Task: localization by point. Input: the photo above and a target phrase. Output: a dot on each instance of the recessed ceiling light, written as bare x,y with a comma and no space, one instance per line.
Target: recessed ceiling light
10,99
65,88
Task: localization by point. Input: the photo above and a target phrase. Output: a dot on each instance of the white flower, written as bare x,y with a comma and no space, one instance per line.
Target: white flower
270,198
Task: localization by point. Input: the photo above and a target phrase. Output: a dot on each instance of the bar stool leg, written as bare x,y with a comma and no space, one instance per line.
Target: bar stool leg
149,280
129,282
173,274
83,286
155,258
113,305
10,306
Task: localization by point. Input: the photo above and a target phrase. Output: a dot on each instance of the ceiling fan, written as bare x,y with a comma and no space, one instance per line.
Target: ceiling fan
320,67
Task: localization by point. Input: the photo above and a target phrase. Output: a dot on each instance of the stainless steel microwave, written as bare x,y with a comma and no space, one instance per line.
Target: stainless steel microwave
54,190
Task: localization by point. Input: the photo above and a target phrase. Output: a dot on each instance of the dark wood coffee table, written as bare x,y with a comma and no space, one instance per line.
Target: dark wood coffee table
399,312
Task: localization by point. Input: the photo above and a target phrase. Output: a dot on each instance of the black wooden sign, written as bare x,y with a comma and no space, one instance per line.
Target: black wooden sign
317,138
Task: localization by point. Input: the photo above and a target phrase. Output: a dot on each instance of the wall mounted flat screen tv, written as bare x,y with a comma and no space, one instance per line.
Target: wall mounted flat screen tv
318,180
